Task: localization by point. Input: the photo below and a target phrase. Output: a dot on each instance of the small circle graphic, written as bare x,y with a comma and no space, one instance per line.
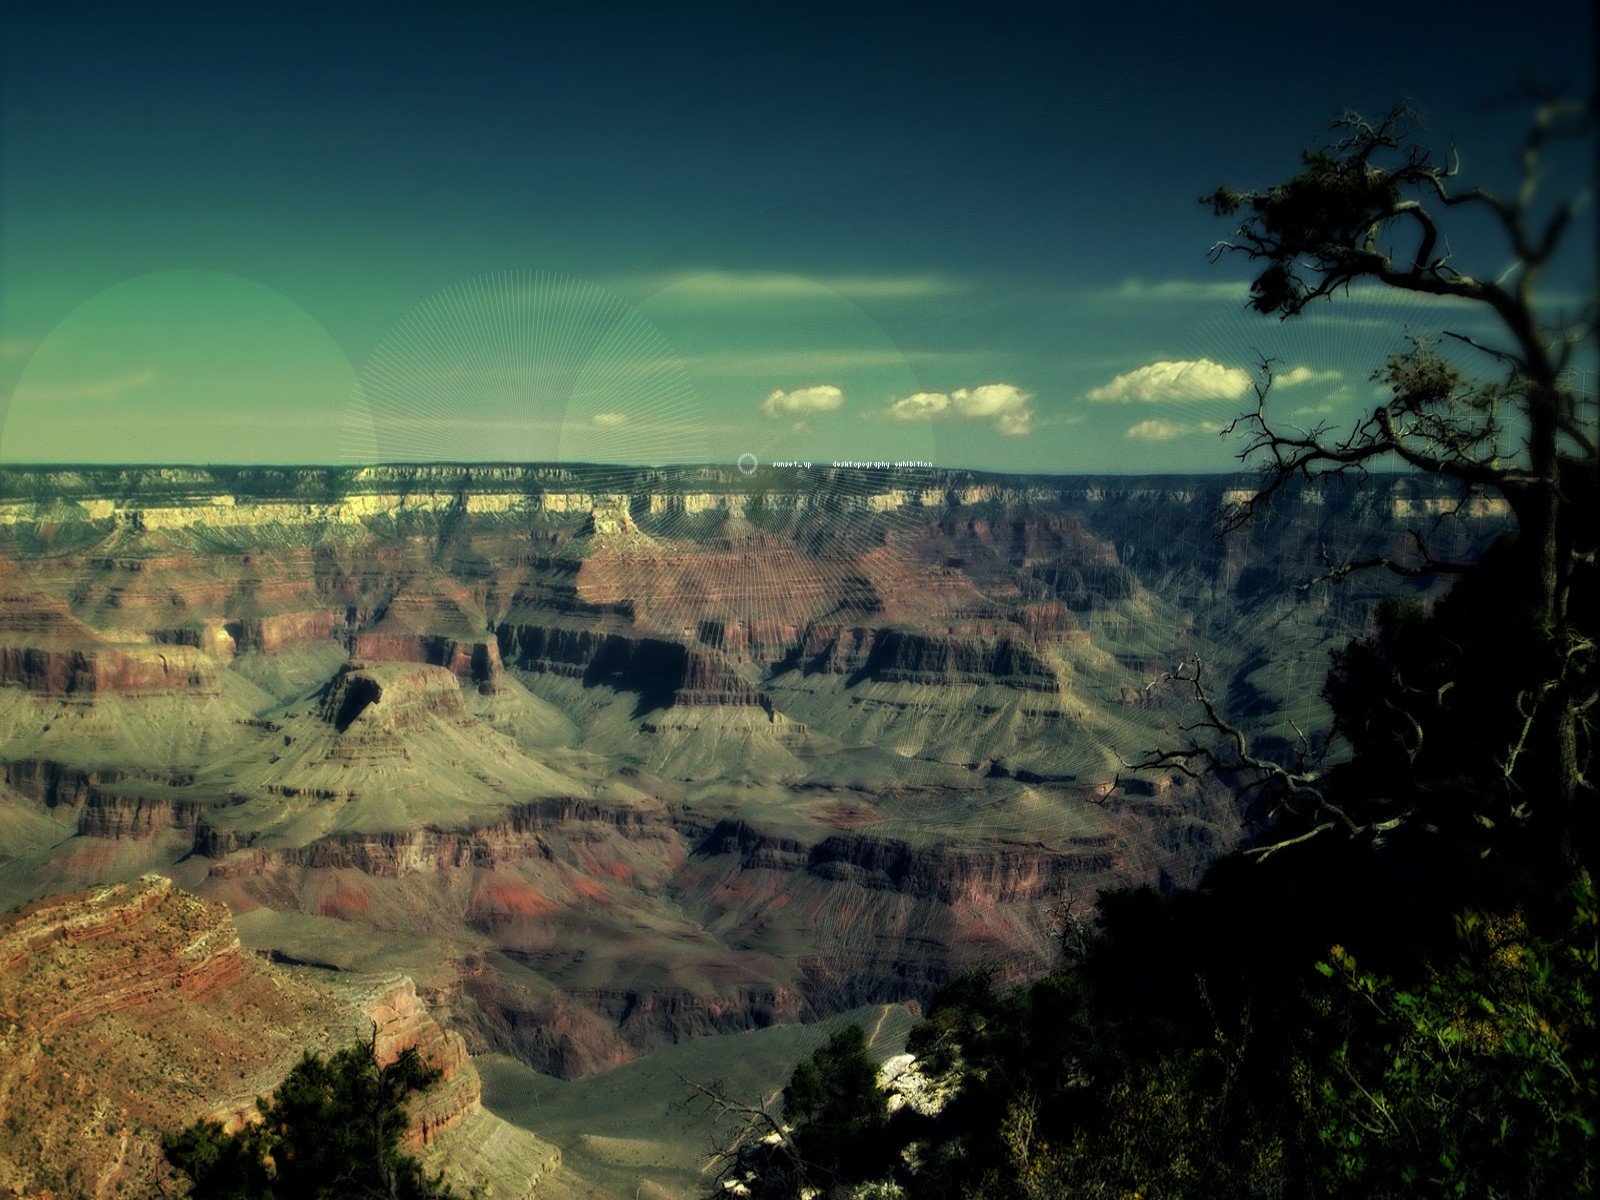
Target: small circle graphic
747,464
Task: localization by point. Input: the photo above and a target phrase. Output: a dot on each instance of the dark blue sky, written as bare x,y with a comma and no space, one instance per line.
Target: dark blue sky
887,200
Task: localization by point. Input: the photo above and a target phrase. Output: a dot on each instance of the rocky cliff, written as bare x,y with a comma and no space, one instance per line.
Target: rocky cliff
132,1009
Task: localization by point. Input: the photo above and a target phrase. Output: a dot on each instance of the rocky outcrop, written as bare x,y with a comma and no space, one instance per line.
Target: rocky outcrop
525,831
971,653
755,849
974,655
1051,622
985,510
991,874
72,930
577,1032
279,631
131,1010
662,672
1085,587
647,1019
126,1011
103,808
1017,536
955,875
758,641
474,661
55,671
53,784
138,818
363,699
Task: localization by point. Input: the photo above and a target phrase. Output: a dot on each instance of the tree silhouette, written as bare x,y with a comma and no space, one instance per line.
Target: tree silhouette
1374,207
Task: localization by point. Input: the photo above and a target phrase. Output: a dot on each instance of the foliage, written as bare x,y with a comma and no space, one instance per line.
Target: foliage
1481,1081
833,1105
1309,1077
830,1140
223,1165
1430,706
331,1129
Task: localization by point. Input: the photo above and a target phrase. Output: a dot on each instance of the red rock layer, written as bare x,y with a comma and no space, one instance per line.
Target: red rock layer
131,1010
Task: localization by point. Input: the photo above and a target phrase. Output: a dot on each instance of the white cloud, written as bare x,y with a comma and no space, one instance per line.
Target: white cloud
990,400
1331,402
610,420
819,398
1015,424
1158,431
1303,374
1198,379
919,405
1007,405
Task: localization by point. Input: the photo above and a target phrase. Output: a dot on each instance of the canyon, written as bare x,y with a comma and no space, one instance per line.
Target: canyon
599,760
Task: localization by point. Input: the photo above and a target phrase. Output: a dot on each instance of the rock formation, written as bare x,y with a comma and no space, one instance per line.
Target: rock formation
132,1009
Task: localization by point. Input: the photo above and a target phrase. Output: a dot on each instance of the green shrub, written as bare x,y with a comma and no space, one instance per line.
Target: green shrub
331,1130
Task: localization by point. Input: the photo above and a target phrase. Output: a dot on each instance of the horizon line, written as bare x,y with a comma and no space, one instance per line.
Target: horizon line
817,465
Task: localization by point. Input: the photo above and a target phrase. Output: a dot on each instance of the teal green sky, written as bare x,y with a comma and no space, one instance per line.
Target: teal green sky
964,235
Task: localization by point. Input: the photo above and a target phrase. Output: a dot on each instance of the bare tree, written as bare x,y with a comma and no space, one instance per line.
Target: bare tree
752,1152
1338,223
1373,207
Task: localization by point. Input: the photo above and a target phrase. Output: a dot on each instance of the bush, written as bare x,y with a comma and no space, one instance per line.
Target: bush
331,1130
834,1108
1478,1082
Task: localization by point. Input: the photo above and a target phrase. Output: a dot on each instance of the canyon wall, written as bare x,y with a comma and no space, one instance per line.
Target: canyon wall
609,758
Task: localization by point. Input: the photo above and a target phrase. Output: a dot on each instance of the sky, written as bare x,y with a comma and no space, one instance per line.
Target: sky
965,235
